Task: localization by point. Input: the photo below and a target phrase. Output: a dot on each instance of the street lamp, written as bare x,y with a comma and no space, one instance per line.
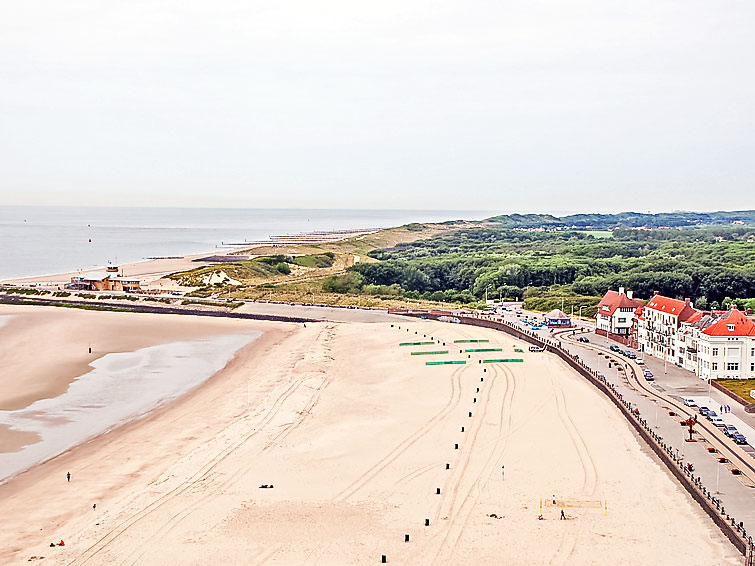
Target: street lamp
580,310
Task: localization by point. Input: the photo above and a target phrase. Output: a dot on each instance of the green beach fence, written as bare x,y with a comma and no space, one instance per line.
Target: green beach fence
430,353
470,341
446,363
502,360
416,343
484,350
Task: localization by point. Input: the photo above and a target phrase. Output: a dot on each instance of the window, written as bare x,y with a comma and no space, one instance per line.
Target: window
732,366
622,320
714,366
715,351
730,327
752,366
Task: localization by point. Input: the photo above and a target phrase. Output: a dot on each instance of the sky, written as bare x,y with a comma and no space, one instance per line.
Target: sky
527,106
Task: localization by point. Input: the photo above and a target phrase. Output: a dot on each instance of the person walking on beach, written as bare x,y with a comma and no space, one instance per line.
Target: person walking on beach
502,471
68,476
563,515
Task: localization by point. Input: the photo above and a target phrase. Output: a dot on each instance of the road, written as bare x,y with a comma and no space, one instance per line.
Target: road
737,493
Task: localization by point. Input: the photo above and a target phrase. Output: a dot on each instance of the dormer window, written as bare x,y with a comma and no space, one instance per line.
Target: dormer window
730,327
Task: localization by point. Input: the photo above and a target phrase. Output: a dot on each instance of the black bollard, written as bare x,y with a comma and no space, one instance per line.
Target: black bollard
462,429
485,370
478,390
437,491
474,400
470,413
406,538
456,446
427,522
482,379
383,559
448,466
90,349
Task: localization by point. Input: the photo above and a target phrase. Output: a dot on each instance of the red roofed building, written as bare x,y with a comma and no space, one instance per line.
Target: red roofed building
658,326
725,346
616,312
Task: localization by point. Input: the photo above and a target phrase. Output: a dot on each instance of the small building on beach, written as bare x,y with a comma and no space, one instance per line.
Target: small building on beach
558,318
106,281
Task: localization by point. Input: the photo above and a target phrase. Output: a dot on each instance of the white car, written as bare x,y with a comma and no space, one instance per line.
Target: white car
640,361
718,421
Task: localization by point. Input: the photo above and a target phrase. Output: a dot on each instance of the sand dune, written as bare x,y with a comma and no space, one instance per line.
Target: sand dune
355,435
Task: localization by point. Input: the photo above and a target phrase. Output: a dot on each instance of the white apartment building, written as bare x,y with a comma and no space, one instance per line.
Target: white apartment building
725,346
658,325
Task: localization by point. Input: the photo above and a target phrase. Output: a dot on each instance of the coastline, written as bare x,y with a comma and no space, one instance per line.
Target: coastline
355,446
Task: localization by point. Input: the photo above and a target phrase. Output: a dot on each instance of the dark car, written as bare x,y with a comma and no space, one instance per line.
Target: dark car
582,339
614,348
730,430
739,438
710,414
703,411
648,374
631,355
649,377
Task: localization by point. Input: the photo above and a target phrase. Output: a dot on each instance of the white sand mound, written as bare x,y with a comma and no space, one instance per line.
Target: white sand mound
219,277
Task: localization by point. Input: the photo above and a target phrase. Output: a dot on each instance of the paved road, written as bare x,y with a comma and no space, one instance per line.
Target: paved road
333,314
737,495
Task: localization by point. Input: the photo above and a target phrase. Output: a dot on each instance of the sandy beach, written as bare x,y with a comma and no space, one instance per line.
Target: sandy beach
356,436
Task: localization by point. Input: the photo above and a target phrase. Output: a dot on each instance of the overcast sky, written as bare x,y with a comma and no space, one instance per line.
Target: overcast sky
522,106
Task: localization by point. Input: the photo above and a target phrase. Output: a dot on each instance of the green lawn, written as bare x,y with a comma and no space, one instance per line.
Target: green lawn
598,234
741,387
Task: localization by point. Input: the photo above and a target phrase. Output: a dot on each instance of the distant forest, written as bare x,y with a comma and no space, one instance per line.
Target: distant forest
712,264
625,220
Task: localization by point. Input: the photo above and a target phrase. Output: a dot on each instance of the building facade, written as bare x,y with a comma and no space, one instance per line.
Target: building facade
616,312
725,346
659,324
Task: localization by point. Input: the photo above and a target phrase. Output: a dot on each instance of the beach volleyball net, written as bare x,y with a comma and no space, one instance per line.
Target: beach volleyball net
574,503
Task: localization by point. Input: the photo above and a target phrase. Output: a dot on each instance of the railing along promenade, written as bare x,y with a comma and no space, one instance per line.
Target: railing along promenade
732,529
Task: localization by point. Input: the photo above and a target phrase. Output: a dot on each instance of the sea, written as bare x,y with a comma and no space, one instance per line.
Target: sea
43,240
121,387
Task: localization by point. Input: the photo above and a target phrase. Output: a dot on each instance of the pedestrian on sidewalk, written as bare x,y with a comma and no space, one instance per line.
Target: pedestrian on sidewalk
68,476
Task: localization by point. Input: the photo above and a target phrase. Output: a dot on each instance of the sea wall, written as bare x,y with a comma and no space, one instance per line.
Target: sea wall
735,533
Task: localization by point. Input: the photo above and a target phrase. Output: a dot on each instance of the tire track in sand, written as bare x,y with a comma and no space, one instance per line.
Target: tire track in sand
123,526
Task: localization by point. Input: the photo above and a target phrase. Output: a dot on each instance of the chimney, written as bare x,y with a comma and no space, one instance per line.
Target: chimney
656,292
621,290
630,294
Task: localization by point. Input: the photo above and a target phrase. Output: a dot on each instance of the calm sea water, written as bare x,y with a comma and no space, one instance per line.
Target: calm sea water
43,240
121,387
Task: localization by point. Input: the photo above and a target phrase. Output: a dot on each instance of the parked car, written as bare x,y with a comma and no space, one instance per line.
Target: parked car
648,373
689,402
614,348
649,377
703,410
582,339
631,355
640,361
718,421
730,430
711,415
739,438
537,348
